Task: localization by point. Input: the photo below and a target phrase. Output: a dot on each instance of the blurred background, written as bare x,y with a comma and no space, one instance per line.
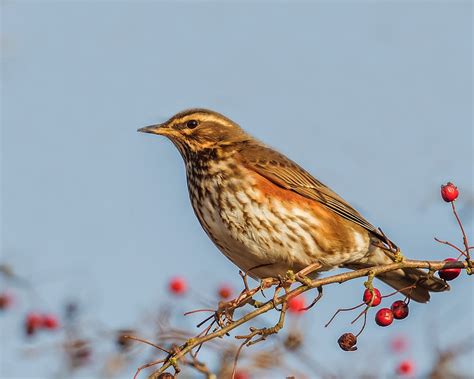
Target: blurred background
373,98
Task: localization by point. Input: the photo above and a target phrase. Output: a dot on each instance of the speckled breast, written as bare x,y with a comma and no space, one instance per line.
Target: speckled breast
262,233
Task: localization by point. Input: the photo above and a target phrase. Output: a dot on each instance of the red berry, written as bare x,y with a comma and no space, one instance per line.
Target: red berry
50,321
406,367
399,309
178,285
399,344
296,304
449,273
6,299
449,192
384,317
375,294
241,374
225,291
33,321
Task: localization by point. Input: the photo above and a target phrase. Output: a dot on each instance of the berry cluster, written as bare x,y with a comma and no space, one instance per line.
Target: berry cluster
35,321
399,309
385,316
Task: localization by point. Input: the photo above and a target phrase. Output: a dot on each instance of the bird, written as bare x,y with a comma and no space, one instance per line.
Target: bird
268,215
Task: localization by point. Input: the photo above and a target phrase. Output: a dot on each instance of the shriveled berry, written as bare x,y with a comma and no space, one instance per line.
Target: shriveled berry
449,192
449,273
296,304
347,342
399,309
372,298
49,321
225,291
178,285
406,367
384,317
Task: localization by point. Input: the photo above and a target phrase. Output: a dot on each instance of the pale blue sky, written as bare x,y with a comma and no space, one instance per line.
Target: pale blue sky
373,98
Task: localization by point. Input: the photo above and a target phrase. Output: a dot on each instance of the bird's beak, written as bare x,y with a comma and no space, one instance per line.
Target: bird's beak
161,129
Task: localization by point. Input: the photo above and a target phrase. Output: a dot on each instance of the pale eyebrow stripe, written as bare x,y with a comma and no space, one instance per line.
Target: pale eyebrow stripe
203,117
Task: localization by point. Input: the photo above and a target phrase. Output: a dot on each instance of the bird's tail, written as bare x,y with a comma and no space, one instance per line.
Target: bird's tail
407,277
403,280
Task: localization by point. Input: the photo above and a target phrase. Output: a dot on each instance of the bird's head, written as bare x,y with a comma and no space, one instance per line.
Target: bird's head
195,130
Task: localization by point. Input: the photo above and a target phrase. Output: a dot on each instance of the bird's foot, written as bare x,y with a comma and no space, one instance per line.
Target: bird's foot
269,282
245,297
303,280
398,256
302,275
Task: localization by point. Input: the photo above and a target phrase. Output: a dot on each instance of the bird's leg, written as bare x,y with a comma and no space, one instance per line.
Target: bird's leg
399,256
291,277
244,275
225,310
392,248
284,283
246,292
246,295
301,276
268,282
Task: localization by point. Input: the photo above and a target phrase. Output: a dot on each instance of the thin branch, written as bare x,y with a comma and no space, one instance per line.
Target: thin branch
146,342
451,245
464,236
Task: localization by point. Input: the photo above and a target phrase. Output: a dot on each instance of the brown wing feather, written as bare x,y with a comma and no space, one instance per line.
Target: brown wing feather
289,175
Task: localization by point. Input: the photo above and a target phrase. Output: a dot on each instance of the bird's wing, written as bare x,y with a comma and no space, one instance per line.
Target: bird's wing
287,174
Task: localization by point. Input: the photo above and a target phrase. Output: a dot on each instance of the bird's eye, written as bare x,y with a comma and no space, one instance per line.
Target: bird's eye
191,124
